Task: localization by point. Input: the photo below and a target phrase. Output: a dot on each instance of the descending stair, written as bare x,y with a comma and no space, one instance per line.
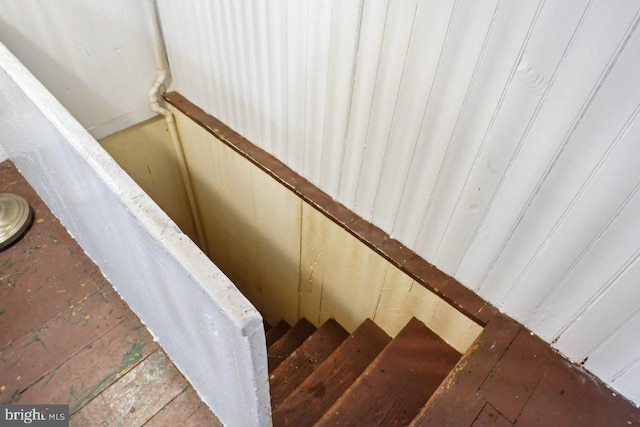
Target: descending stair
281,349
275,333
327,377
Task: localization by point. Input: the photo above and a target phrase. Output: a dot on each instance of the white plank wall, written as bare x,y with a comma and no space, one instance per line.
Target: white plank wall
96,57
497,139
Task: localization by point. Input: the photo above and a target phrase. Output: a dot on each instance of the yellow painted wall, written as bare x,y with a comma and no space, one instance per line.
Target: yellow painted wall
291,261
251,223
145,151
342,278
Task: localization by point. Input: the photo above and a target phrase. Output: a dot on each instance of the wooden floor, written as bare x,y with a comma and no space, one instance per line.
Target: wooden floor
67,337
511,377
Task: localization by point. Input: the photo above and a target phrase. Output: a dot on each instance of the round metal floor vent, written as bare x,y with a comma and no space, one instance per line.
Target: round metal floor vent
15,217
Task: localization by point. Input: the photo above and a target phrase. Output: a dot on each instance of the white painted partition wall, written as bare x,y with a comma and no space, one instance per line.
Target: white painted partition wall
498,139
212,333
96,57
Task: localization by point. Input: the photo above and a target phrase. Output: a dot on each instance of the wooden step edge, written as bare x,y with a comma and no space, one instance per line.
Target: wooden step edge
396,385
288,343
301,363
463,405
275,333
310,400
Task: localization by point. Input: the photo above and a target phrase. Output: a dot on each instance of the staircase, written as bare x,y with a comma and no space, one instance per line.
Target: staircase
327,377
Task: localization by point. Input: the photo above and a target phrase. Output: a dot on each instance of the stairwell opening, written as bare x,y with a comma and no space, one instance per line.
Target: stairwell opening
341,295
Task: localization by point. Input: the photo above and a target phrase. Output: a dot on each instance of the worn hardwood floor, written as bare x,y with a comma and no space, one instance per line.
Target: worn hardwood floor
67,337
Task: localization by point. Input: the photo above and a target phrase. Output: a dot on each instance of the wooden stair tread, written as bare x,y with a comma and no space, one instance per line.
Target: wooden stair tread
306,404
295,368
276,332
290,341
393,389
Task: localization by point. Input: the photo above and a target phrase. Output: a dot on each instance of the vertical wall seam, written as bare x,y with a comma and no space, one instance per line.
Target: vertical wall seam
494,116
226,34
443,163
457,123
613,333
382,287
373,99
305,109
263,73
625,370
522,140
598,295
395,107
301,228
285,71
610,64
424,118
354,69
222,44
576,198
325,114
247,84
593,241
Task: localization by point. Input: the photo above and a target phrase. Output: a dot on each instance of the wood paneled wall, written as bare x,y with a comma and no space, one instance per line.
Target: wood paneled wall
497,139
291,261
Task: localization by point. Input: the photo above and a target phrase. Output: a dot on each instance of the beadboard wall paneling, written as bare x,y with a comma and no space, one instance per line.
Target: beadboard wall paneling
498,140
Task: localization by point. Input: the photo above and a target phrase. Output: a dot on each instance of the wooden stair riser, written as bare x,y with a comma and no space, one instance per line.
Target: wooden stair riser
288,343
309,401
304,360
